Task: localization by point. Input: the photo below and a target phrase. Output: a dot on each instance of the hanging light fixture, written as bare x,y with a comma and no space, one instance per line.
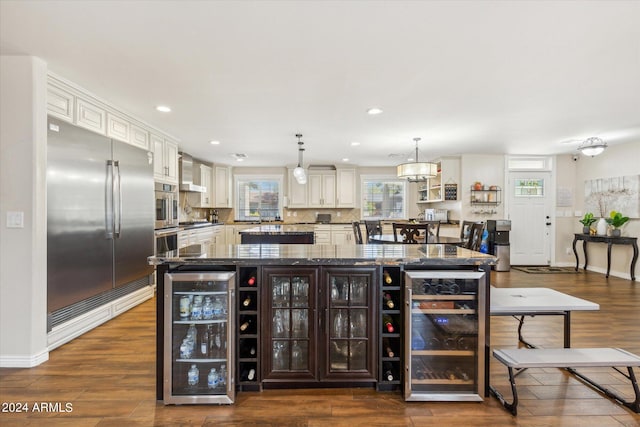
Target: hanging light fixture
417,171
299,173
592,146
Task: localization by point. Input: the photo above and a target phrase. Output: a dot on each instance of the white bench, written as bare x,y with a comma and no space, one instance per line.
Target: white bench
569,358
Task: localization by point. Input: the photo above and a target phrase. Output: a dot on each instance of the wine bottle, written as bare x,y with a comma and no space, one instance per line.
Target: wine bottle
388,301
247,301
388,323
251,281
245,325
389,351
387,278
388,375
388,372
251,375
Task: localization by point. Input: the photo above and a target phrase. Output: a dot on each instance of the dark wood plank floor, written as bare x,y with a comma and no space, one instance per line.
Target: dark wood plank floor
108,376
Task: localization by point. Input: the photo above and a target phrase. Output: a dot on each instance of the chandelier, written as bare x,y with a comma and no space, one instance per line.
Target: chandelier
417,171
592,146
299,173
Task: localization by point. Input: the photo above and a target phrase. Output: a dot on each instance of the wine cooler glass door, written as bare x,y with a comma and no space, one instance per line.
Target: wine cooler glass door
444,338
199,324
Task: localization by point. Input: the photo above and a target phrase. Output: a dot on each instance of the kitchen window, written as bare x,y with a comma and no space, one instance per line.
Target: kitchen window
383,198
258,198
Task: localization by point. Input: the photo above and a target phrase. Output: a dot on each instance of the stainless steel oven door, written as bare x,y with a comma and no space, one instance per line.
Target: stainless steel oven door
166,199
166,240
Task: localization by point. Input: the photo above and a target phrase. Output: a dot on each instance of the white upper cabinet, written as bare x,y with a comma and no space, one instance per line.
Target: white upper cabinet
203,176
322,189
297,192
222,194
91,116
118,128
346,188
60,103
139,137
165,153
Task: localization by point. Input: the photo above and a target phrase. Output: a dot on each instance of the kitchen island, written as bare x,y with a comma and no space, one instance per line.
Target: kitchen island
335,315
278,234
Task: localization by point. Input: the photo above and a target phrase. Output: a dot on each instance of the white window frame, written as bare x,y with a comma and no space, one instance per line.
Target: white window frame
237,179
385,178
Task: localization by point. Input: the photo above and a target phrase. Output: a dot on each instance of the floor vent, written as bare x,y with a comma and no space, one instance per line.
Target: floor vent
74,310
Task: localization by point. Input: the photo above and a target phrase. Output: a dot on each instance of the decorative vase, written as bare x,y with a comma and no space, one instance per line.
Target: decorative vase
616,232
601,227
585,229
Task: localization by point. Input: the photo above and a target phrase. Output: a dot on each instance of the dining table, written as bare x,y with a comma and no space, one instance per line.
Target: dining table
435,240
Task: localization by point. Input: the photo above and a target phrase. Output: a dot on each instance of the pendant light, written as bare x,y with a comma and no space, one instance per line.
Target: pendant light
592,146
299,173
417,171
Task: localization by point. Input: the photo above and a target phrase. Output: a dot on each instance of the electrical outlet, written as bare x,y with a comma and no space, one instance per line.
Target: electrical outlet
338,214
568,251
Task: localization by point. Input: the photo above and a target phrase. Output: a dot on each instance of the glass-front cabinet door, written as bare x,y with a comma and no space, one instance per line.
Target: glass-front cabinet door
349,332
289,314
444,335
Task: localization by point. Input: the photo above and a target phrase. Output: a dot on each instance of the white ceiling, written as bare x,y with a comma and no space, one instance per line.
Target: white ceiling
467,77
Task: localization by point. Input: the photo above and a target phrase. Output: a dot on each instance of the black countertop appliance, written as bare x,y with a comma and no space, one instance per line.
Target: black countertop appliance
498,242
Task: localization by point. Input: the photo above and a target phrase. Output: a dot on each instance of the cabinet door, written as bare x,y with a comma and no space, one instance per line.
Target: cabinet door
346,188
314,188
223,187
118,128
60,103
139,137
349,336
91,117
289,316
297,193
157,144
205,180
329,190
171,161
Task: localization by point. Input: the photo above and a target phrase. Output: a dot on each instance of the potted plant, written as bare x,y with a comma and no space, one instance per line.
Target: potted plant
616,220
587,221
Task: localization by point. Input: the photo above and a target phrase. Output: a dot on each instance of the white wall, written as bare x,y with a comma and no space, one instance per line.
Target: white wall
23,257
617,160
489,170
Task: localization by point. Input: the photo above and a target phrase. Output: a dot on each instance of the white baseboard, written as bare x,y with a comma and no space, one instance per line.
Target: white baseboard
614,273
77,326
24,361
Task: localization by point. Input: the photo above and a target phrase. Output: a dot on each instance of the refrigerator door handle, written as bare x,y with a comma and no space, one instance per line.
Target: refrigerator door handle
108,196
408,345
118,197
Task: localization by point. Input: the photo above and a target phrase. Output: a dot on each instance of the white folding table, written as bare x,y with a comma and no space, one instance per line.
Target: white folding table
537,302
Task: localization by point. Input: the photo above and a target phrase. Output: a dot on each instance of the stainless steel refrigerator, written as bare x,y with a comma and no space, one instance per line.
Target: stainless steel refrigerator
100,219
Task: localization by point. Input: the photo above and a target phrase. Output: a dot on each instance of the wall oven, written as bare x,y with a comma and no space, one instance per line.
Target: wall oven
166,196
166,240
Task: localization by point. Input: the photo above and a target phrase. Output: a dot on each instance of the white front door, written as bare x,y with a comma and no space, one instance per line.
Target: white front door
530,211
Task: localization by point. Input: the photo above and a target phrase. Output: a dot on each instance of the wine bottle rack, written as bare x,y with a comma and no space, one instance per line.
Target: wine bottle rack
390,343
248,340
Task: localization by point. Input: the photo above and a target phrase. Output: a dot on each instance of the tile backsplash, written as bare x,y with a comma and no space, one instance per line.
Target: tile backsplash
289,215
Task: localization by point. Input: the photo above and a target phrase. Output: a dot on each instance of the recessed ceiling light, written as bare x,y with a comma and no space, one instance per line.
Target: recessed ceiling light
410,159
163,109
355,143
239,159
374,111
213,142
345,159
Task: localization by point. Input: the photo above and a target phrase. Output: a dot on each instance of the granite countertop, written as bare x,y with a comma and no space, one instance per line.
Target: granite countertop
279,229
421,255
198,224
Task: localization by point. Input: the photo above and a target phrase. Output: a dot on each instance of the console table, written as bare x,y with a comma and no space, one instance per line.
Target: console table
631,241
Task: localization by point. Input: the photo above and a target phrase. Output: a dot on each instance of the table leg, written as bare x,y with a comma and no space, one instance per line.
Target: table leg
608,259
584,249
633,261
575,252
567,329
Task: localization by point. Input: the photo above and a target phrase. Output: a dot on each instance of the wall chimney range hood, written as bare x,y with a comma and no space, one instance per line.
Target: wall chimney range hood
186,175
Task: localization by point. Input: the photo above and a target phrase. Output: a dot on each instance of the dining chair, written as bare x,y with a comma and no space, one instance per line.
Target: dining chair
357,232
434,227
373,227
410,233
475,236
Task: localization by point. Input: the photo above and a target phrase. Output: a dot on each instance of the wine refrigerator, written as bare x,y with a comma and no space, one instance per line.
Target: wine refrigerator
199,355
445,320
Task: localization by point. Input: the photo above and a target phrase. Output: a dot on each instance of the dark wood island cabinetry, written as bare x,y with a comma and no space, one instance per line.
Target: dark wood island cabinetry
317,315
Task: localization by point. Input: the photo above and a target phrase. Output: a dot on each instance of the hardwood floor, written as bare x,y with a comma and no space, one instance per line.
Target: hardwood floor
108,377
